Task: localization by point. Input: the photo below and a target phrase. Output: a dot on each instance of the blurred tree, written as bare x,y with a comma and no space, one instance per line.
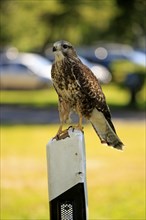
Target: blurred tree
20,24
61,22
78,21
31,25
4,36
128,24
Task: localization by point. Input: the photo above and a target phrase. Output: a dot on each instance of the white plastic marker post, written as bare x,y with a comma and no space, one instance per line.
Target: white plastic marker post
67,177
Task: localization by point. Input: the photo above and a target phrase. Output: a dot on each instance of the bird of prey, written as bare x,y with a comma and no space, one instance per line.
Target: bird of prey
79,90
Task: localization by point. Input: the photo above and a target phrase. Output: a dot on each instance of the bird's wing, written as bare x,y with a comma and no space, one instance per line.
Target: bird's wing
100,117
91,86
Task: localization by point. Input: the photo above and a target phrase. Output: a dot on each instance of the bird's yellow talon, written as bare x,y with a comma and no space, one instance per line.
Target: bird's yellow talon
61,135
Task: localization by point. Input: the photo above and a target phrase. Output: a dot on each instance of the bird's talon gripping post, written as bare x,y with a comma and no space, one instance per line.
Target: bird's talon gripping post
56,137
70,127
80,128
61,135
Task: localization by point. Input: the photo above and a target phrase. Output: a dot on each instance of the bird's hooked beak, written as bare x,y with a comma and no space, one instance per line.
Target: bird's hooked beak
57,46
57,50
54,49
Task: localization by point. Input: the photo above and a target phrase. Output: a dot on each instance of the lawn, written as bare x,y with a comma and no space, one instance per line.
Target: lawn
115,179
48,97
38,98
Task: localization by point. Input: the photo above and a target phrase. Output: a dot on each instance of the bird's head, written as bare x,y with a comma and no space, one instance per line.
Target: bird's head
63,49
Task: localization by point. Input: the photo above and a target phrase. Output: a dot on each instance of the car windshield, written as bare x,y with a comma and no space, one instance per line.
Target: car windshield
34,60
37,64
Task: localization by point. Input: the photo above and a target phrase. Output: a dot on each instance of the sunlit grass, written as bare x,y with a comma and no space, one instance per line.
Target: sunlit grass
115,179
29,97
115,95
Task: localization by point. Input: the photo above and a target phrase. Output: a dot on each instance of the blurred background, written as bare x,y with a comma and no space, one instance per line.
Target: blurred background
110,38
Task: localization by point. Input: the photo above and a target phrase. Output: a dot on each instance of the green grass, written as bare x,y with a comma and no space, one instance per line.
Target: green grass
38,98
115,179
116,97
120,69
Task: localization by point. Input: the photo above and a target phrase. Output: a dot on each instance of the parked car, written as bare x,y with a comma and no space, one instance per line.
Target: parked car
106,53
24,71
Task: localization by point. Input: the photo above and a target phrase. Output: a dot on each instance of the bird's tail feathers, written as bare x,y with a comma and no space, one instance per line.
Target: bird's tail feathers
104,131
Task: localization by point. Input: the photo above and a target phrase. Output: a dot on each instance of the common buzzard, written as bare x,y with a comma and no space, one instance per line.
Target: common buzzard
79,90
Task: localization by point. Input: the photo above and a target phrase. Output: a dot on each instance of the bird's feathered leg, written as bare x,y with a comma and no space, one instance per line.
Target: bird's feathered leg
64,114
59,130
79,125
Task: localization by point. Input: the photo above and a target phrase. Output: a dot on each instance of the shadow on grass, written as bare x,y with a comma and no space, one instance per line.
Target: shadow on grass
48,114
54,105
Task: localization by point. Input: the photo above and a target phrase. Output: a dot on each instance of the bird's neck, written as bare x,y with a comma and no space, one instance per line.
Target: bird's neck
59,56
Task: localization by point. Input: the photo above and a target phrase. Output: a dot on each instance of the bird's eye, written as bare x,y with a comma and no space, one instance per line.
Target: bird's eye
65,46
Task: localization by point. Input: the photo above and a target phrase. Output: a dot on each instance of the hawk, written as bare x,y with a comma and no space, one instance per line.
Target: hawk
79,90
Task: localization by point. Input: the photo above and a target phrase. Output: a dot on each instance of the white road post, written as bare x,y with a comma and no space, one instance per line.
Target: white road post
67,177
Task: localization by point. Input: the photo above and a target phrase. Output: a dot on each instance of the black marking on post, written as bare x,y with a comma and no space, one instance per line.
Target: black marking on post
70,205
